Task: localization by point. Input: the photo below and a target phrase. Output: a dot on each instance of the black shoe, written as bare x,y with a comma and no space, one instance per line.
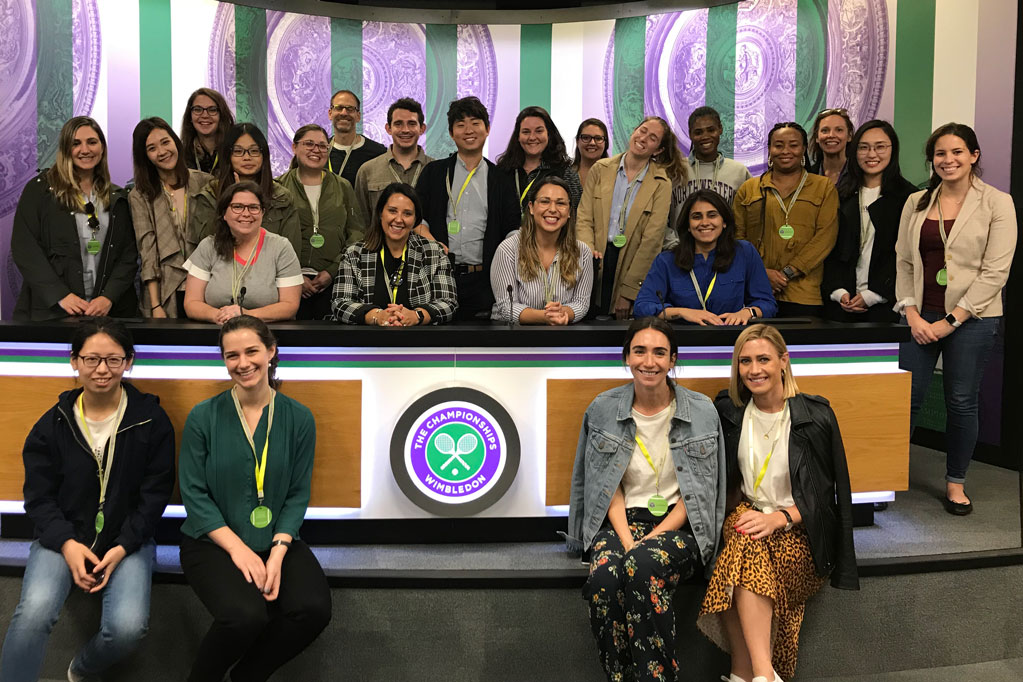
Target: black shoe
880,506
957,508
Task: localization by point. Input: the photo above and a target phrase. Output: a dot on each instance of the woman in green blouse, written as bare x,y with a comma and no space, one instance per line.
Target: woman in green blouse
245,493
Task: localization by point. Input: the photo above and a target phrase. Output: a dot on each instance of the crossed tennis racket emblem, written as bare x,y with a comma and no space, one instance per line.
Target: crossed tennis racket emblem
446,445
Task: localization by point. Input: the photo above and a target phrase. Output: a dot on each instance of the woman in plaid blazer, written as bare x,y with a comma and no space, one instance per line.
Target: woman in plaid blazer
395,278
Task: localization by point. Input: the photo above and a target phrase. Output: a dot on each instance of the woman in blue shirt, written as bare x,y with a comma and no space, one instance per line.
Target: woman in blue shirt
710,278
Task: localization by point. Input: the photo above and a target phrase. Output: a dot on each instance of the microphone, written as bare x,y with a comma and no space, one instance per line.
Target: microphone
510,313
241,297
664,306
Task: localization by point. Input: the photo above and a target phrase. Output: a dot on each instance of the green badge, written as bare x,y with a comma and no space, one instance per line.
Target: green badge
454,227
942,277
316,241
100,519
456,452
786,231
92,247
657,505
618,240
260,517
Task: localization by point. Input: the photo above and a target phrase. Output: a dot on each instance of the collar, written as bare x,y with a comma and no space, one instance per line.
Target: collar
640,176
458,160
718,162
359,141
629,395
389,154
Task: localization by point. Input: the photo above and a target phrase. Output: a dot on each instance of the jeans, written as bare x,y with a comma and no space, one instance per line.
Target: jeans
964,355
44,589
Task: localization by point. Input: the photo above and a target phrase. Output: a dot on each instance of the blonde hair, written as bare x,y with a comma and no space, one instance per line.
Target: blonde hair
62,177
670,157
530,267
737,390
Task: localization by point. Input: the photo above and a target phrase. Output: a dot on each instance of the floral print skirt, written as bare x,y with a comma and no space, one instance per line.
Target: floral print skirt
630,598
779,567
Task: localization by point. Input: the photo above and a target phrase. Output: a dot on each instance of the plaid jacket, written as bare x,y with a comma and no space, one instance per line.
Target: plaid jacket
431,285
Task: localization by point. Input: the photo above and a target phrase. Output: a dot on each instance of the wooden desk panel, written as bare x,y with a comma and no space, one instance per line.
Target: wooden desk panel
872,411
336,405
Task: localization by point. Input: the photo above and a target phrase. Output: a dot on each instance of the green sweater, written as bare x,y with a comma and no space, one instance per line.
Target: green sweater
217,470
341,220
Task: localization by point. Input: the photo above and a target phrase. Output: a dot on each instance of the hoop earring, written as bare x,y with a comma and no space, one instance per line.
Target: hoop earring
802,162
770,163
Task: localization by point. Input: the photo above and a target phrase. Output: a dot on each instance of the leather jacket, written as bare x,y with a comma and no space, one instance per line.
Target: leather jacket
820,481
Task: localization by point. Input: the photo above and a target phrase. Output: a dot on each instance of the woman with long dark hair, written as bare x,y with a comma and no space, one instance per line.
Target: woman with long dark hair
955,247
240,548
859,274
710,278
204,124
591,145
165,190
536,150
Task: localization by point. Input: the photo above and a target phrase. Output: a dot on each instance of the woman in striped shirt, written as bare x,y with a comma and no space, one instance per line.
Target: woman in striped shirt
542,274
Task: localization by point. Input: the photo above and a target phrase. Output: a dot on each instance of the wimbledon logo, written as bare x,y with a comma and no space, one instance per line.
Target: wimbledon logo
454,452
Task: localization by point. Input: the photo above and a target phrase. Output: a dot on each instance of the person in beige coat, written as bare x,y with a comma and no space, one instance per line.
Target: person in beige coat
162,203
955,247
624,211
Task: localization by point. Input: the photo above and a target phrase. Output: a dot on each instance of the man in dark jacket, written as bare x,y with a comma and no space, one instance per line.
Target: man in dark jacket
469,206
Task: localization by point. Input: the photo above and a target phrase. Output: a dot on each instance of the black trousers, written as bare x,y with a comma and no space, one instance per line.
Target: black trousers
882,312
317,306
786,309
255,636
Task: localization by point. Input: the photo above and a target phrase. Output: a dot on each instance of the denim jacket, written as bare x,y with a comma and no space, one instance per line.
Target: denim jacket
606,445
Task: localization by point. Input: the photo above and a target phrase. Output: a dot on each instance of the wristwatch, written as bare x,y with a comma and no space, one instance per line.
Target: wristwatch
788,517
789,272
752,312
277,543
419,313
951,319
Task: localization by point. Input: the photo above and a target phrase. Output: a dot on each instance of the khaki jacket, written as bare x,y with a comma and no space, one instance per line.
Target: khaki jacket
644,228
162,250
814,219
980,248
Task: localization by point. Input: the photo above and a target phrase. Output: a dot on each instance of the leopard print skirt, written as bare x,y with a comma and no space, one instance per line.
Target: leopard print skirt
779,567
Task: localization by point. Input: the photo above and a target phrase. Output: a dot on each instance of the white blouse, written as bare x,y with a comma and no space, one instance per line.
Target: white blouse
775,490
639,482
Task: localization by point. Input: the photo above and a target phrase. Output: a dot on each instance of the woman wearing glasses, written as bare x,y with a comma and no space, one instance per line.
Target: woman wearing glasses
536,150
859,275
246,147
829,144
591,143
164,191
243,269
72,238
395,278
206,121
95,535
330,217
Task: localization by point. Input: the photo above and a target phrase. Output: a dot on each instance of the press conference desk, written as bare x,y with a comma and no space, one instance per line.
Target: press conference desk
363,383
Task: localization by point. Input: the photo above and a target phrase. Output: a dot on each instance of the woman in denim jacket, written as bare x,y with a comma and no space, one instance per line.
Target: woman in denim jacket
647,520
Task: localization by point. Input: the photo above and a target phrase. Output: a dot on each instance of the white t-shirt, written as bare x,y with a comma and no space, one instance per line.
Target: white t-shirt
775,491
639,482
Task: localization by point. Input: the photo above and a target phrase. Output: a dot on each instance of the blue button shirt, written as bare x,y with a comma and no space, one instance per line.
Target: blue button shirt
744,284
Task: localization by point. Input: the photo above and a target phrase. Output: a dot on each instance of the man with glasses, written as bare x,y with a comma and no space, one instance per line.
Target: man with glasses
349,150
402,162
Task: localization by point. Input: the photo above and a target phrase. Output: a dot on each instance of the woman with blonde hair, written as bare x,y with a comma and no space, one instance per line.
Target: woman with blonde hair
624,212
790,520
541,274
72,238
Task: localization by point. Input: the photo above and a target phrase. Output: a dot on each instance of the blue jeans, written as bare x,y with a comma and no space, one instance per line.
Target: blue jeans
964,355
44,589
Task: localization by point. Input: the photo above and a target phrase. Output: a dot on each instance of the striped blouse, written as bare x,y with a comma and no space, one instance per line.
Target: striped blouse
504,272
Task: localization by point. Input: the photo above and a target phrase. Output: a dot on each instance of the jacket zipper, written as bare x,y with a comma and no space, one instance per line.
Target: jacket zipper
820,516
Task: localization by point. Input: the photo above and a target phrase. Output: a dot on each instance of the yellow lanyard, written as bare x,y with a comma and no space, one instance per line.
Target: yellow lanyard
260,465
650,461
216,157
524,192
699,292
236,277
394,282
625,202
795,195
348,154
749,446
550,281
104,465
456,202
179,220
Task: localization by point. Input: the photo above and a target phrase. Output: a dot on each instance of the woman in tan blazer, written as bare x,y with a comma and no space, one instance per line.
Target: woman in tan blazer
624,210
955,246
162,203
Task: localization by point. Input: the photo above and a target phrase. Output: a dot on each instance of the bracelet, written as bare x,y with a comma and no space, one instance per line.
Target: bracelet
785,513
155,307
280,543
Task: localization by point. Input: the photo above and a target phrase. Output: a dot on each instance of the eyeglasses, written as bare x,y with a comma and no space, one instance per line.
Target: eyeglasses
879,148
238,209
586,139
90,210
344,108
92,361
309,145
545,202
209,111
254,152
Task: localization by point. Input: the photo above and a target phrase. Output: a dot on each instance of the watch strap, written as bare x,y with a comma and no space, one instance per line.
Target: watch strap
284,543
951,319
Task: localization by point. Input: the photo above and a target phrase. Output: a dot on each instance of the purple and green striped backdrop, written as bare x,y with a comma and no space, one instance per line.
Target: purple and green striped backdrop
756,61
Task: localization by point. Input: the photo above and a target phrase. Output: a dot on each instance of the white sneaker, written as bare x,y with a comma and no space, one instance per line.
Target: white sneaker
732,678
72,676
761,678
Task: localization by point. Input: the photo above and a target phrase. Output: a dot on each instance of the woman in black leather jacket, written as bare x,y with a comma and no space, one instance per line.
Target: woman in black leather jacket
791,525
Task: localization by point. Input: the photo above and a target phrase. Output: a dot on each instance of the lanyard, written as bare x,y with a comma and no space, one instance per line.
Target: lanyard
465,184
865,224
749,446
105,465
238,277
260,465
83,203
625,202
550,280
650,461
795,195
522,195
348,154
179,220
941,225
395,280
216,157
397,178
699,291
714,176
